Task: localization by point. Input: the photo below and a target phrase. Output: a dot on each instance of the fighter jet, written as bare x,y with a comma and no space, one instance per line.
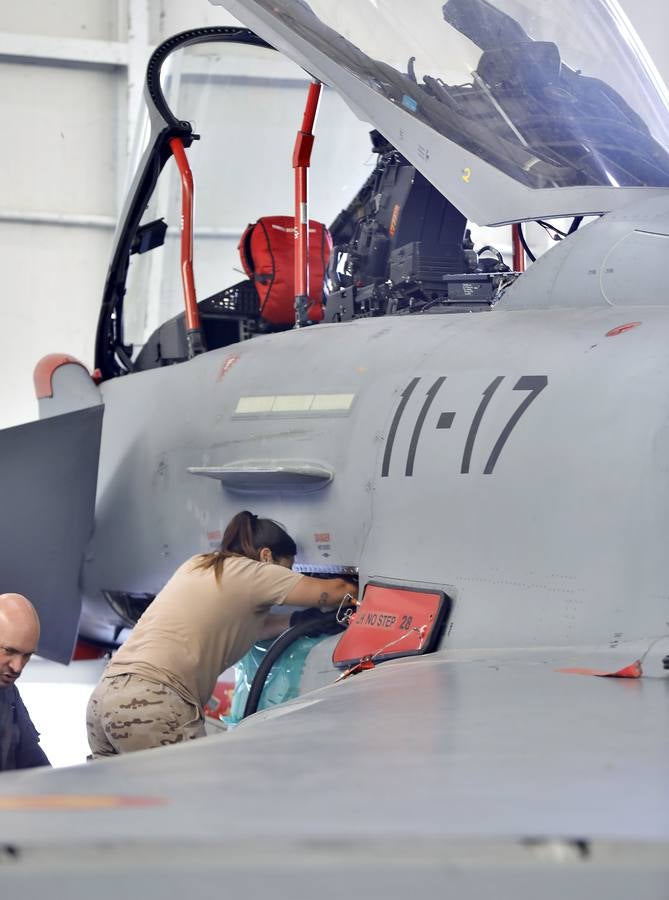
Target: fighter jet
482,446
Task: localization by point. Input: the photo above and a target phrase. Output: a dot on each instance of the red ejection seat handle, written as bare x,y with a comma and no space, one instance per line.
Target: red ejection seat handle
194,336
301,162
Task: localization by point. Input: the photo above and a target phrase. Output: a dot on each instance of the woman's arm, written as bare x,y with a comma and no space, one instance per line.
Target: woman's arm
325,593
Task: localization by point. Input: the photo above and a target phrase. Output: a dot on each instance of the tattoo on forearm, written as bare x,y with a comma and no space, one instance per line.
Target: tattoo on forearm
324,599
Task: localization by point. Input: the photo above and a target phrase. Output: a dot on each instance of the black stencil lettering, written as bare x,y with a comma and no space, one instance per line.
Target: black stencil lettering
535,385
476,421
420,421
406,393
446,420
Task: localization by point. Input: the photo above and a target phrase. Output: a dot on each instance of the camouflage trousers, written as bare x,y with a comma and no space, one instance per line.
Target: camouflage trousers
128,712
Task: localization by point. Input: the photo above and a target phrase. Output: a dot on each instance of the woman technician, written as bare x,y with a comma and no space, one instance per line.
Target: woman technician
208,615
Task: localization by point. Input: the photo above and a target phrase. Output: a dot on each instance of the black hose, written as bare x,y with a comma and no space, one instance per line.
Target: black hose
311,627
551,229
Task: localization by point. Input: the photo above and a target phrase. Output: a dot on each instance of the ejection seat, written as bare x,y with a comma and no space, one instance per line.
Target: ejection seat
263,302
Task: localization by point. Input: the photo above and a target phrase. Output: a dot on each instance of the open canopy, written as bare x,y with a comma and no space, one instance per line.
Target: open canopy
514,109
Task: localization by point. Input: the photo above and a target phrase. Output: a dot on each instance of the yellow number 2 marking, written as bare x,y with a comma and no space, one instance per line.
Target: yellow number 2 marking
466,175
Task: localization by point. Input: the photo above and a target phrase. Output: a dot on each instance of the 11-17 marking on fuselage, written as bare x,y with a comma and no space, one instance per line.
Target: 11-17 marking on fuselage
406,393
418,427
535,384
476,421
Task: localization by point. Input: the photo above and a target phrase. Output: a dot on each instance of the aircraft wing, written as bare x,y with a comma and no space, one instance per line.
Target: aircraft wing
491,774
48,476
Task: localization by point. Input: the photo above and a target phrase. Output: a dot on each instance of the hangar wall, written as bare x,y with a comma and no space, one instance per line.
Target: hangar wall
71,79
71,74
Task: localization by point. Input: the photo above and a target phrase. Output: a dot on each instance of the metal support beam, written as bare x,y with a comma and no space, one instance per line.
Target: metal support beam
86,220
40,50
69,220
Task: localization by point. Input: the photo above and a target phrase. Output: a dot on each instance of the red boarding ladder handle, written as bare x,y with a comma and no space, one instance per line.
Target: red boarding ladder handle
194,336
301,161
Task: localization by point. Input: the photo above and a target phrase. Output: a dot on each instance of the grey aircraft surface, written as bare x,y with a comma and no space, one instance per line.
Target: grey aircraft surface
486,448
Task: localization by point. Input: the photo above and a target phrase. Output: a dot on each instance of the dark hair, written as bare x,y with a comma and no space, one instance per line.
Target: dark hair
246,535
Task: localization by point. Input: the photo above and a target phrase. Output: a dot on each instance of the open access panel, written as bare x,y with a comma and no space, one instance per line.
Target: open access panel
393,621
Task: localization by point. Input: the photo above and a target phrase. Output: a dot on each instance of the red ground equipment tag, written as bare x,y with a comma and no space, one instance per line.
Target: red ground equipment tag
391,622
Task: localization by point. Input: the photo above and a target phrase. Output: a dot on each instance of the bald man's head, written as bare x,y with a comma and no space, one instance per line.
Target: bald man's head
19,635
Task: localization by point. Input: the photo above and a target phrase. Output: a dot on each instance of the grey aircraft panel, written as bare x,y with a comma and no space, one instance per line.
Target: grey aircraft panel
439,869
524,550
617,260
48,476
482,764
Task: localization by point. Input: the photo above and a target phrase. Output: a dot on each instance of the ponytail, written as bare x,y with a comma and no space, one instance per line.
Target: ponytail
246,535
238,536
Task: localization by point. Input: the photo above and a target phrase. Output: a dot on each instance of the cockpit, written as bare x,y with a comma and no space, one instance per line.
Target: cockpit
483,111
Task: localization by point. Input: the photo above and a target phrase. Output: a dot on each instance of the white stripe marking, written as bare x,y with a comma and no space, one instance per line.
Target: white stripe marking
298,403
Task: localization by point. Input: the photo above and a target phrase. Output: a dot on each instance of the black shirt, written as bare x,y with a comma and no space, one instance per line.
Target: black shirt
19,740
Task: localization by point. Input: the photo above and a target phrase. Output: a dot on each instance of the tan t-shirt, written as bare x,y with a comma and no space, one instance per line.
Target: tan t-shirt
197,627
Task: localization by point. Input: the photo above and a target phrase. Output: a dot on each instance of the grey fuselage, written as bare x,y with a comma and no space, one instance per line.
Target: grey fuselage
515,458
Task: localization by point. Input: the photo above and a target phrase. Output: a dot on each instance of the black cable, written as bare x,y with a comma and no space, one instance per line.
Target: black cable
526,248
328,624
575,224
551,229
